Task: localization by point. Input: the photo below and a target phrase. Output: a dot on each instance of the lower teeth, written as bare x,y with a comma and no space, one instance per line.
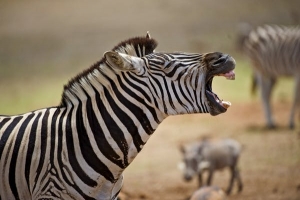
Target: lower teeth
226,104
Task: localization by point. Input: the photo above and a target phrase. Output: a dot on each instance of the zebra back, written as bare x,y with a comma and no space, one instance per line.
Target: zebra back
274,50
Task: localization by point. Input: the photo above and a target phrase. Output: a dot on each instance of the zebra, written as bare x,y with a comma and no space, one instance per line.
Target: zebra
80,148
274,52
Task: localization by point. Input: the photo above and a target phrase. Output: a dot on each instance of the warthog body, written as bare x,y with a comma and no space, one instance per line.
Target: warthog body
208,193
211,155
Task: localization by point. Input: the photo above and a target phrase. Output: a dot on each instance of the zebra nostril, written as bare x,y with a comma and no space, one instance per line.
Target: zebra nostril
221,60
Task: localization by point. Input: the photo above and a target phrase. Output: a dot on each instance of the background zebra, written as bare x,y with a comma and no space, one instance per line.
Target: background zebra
274,52
79,149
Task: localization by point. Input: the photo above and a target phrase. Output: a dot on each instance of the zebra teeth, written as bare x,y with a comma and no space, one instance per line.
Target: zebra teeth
226,104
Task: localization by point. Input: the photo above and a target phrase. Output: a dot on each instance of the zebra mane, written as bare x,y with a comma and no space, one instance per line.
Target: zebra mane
137,46
142,46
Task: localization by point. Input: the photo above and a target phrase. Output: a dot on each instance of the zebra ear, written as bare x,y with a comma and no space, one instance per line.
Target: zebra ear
148,35
113,59
122,61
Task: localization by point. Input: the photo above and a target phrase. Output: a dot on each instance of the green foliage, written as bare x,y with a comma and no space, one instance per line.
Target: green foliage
26,95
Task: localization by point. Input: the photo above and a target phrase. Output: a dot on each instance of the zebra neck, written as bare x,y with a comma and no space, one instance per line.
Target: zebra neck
120,119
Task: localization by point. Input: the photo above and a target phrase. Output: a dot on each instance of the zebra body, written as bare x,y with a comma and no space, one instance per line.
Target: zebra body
79,149
274,52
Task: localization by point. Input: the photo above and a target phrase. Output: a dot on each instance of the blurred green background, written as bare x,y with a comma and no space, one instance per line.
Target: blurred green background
45,43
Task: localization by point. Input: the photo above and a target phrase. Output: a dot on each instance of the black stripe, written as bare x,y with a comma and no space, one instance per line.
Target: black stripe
30,148
177,97
185,97
71,154
53,136
189,94
43,145
137,111
170,69
3,122
60,145
101,141
155,101
86,149
151,109
54,195
198,97
55,185
187,89
133,78
7,132
13,161
114,130
161,91
169,95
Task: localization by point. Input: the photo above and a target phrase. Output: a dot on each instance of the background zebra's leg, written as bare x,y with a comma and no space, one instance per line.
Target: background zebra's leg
296,103
266,86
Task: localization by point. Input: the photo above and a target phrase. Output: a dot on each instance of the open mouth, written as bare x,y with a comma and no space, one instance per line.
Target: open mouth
216,104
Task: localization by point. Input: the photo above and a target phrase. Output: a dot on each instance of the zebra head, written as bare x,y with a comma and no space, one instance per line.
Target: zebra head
178,83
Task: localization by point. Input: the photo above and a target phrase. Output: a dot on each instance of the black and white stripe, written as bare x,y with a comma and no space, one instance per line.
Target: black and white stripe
274,51
79,149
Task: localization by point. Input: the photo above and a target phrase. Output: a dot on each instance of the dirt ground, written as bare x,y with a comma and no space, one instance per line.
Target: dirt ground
269,164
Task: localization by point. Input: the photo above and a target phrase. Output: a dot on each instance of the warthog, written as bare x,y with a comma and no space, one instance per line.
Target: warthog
209,193
211,155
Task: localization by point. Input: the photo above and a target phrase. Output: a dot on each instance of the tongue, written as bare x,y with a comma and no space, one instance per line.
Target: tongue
229,75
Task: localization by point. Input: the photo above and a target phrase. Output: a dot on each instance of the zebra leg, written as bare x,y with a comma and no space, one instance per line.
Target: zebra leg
266,84
296,103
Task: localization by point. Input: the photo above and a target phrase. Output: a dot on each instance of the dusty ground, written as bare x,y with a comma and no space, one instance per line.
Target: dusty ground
270,162
45,43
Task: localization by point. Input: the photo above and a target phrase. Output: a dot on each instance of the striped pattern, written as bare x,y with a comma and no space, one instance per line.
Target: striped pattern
79,149
274,52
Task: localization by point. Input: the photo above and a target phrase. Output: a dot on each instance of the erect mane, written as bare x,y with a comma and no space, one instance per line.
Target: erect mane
141,45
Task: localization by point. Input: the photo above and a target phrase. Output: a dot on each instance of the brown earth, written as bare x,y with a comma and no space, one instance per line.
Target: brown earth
269,164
